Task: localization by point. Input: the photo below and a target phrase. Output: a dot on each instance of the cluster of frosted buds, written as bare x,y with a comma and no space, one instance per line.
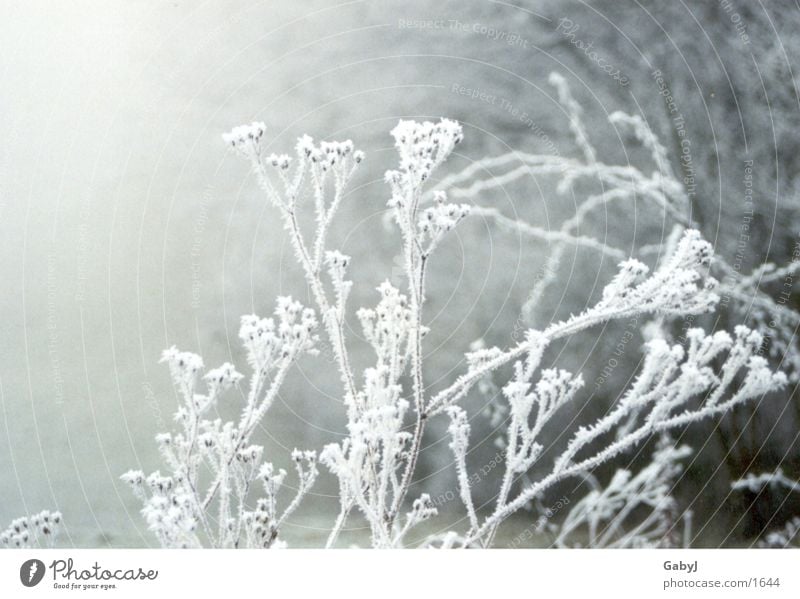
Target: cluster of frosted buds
272,480
250,455
260,525
746,347
337,156
170,511
281,161
136,480
45,522
381,425
296,328
373,452
221,379
159,484
184,367
337,263
244,470
631,272
422,509
305,462
377,428
171,517
554,389
377,445
337,268
422,148
679,279
331,153
459,430
267,341
24,532
219,437
259,339
700,354
380,388
696,374
305,146
436,221
387,328
389,324
675,288
246,139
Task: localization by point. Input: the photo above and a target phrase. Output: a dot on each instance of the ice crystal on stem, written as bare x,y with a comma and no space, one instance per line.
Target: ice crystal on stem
756,482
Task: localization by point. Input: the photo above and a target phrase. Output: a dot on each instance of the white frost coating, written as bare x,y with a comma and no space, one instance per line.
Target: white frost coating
388,404
213,462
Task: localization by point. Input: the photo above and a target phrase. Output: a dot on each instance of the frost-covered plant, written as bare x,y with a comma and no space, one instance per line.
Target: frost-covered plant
389,405
38,530
214,462
744,296
659,400
742,293
608,516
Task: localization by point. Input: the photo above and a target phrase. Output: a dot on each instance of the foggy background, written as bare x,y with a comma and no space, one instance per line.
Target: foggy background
126,226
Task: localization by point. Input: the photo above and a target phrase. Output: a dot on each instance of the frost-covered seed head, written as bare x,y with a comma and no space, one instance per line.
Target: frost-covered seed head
246,139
